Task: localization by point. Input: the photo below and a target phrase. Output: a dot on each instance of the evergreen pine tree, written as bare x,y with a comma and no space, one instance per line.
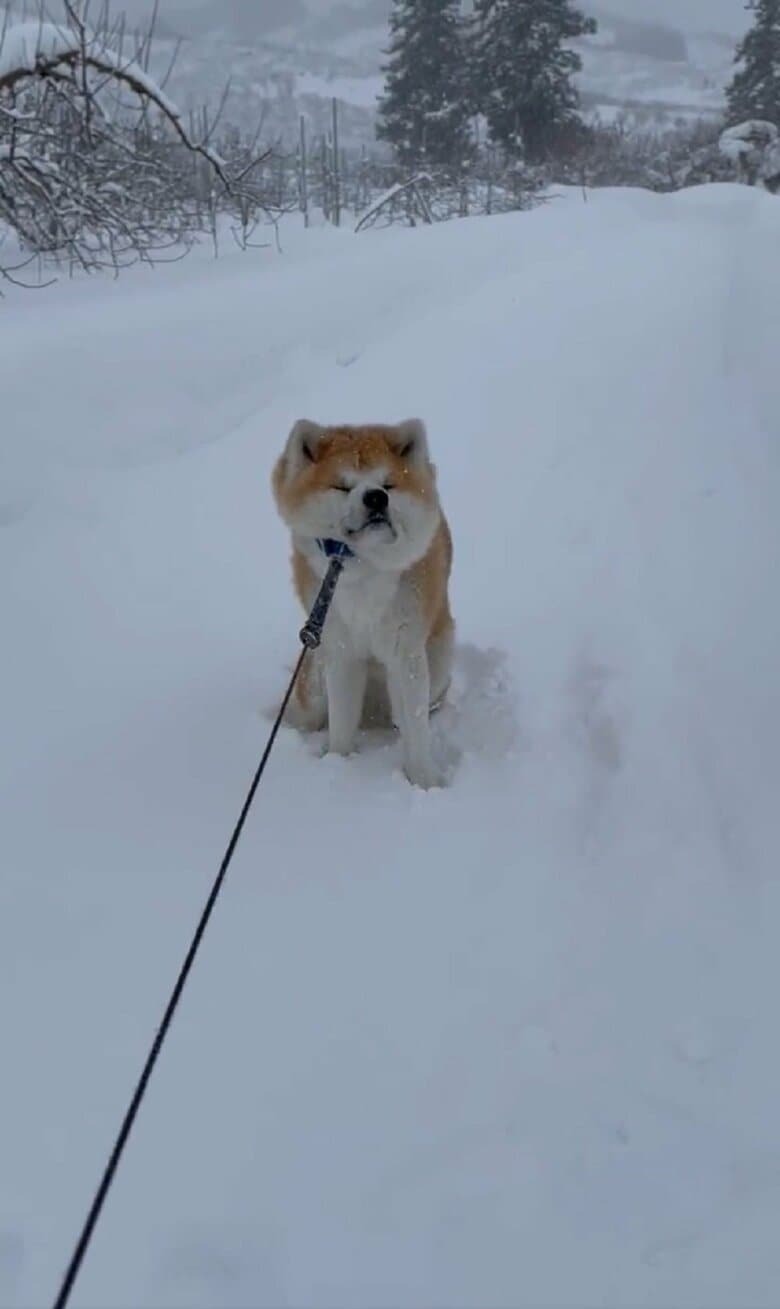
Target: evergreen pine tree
755,89
424,113
523,71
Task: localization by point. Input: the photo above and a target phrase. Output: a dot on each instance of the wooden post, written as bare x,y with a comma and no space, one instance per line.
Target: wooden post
362,199
304,179
336,174
325,179
489,161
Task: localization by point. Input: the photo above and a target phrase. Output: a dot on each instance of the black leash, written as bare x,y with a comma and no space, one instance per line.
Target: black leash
311,635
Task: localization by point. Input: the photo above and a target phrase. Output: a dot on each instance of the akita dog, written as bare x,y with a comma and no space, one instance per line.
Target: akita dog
386,651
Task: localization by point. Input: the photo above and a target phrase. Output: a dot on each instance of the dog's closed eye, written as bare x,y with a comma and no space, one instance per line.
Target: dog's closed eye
336,486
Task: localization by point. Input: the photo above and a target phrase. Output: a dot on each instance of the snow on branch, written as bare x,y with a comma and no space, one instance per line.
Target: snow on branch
42,49
754,147
98,178
411,192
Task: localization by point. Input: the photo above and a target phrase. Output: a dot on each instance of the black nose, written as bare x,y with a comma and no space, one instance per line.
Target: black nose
376,501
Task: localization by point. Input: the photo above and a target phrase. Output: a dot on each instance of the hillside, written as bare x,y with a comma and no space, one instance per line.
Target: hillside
656,73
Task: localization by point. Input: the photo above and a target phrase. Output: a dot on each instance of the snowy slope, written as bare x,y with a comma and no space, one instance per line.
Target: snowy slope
511,1043
654,92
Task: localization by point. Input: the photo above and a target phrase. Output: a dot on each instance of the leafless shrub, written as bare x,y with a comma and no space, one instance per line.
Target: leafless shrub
486,184
97,165
621,154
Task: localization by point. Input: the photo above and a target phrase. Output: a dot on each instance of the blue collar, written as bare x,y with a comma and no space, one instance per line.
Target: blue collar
334,549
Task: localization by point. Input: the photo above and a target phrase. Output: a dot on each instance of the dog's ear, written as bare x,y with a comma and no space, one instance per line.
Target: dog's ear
411,441
303,443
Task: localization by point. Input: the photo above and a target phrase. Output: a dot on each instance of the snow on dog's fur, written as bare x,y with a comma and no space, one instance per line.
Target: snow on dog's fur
387,644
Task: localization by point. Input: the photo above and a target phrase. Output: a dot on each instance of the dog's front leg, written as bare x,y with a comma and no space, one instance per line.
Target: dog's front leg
409,685
345,680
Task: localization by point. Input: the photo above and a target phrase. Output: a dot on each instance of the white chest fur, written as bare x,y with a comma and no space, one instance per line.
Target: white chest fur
363,601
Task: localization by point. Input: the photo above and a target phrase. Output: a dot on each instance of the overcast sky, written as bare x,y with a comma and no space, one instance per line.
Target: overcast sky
725,15
720,15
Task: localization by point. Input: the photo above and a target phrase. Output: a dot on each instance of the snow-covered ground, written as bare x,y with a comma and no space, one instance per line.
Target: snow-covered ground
512,1043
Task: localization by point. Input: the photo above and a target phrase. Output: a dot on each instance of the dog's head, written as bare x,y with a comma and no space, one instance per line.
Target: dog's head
371,487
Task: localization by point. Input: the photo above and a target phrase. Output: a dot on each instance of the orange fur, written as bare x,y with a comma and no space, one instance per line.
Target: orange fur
429,579
360,449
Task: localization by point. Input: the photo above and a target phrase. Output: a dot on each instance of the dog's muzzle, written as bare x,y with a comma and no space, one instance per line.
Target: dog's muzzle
376,503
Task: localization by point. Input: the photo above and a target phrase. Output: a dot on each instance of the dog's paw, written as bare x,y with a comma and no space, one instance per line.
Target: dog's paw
313,718
342,748
427,776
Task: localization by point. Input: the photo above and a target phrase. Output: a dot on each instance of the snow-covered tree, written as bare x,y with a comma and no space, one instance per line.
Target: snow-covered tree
524,69
424,113
754,148
755,90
